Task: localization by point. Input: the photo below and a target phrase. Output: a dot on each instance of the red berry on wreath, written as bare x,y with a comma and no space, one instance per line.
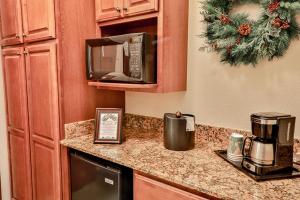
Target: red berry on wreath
225,19
273,6
244,29
285,25
277,22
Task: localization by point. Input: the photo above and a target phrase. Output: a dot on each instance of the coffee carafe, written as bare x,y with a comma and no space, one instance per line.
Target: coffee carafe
270,148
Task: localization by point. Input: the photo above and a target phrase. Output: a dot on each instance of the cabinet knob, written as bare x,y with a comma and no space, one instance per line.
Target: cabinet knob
25,52
118,9
17,36
125,9
24,35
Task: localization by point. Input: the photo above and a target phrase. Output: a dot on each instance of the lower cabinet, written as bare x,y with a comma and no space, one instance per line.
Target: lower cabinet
149,189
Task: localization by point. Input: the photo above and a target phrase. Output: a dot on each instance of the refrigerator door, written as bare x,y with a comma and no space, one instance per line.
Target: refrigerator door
91,181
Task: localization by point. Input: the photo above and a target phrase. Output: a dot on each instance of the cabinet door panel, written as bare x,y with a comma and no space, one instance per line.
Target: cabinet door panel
42,88
108,9
14,71
134,7
40,93
38,19
18,166
11,25
17,118
43,167
149,189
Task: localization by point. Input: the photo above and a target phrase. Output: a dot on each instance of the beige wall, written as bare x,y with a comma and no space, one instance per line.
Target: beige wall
225,96
4,167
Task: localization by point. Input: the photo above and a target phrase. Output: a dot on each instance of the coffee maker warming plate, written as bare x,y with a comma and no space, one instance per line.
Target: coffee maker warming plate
238,165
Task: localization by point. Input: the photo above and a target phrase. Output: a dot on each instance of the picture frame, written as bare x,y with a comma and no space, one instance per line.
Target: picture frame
108,126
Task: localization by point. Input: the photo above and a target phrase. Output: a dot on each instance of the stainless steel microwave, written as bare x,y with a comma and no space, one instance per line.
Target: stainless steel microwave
129,58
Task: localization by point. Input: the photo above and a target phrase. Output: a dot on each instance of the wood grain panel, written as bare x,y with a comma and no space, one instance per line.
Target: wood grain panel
40,64
11,22
149,189
17,118
38,19
44,174
19,167
172,48
42,88
134,7
14,68
108,9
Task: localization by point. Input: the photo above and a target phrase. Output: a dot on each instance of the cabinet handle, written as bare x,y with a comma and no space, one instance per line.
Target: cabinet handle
25,53
24,35
118,9
125,9
17,36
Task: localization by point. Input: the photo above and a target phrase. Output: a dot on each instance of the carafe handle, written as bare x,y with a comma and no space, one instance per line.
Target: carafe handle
248,150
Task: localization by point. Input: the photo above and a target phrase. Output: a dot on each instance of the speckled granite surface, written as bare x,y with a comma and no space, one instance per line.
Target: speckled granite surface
199,169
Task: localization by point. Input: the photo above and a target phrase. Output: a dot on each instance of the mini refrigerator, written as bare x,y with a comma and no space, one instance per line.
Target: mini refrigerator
93,178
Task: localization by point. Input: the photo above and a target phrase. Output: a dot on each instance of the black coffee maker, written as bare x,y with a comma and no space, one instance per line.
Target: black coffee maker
270,149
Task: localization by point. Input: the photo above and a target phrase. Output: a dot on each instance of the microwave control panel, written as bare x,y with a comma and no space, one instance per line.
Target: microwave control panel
135,59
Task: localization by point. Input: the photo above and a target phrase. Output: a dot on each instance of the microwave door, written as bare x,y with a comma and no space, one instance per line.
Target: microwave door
112,63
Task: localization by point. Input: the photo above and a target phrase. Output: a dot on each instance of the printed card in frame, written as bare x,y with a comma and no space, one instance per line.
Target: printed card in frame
108,126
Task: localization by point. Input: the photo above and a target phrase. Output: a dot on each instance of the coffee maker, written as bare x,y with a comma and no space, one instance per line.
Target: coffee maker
270,148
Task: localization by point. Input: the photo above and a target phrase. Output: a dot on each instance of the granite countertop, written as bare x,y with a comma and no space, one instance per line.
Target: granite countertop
198,169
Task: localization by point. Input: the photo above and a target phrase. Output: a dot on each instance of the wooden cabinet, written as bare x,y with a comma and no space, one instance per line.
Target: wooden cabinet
114,9
11,22
17,120
149,189
42,88
133,7
31,73
26,21
170,25
38,20
108,9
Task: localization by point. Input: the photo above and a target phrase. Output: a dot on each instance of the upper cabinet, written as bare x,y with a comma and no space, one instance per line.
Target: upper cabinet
114,9
133,7
26,21
108,9
38,20
11,22
167,20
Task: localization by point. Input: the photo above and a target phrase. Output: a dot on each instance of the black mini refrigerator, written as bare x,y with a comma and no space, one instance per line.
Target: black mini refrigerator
95,179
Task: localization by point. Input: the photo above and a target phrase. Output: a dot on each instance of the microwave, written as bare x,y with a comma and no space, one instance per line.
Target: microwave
129,58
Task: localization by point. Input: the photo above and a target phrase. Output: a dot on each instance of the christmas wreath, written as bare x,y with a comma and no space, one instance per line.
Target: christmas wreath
240,40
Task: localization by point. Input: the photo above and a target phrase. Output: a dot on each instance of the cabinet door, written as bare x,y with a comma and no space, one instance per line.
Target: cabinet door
17,120
38,19
108,9
149,189
43,109
11,22
134,7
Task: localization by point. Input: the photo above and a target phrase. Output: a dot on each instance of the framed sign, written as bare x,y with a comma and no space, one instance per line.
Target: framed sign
108,127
